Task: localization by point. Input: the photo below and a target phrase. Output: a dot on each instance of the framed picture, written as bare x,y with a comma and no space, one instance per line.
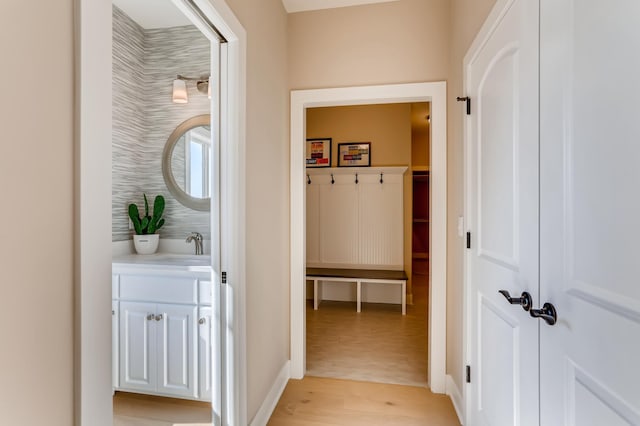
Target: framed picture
354,154
318,152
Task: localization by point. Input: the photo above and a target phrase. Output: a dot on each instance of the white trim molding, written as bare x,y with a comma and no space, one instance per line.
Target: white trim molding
293,6
456,398
434,92
271,400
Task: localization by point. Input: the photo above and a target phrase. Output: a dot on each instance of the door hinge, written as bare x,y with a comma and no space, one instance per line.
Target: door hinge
224,277
467,100
468,374
468,240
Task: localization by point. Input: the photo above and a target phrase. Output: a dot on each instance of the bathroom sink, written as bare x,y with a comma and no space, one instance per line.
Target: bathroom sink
168,259
182,259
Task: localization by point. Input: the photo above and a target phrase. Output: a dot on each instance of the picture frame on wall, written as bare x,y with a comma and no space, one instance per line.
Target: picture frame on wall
318,152
354,154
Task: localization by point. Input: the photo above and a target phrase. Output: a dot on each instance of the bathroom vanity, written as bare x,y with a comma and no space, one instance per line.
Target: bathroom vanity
161,311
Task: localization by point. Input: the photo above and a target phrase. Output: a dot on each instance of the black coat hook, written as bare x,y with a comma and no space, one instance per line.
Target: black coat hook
356,178
332,179
308,180
381,180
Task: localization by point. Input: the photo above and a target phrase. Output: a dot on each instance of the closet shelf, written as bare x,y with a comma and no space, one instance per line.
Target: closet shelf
315,171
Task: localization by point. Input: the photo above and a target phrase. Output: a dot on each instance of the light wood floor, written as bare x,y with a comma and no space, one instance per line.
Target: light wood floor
131,409
377,345
315,401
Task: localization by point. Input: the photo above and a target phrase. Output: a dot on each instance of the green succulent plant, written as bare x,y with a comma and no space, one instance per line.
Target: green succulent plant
147,224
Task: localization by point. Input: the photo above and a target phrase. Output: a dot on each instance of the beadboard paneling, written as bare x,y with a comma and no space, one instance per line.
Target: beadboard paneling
145,64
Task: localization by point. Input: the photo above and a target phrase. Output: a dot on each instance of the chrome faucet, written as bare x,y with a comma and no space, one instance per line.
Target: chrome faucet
197,237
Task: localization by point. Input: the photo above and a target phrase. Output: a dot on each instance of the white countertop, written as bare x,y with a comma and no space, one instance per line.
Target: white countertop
162,261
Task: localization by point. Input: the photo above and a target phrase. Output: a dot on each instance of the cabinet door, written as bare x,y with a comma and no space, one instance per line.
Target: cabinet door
176,350
115,355
205,361
137,346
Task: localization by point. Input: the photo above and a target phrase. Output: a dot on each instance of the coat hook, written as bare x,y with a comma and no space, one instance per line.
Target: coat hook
381,180
356,178
332,180
308,179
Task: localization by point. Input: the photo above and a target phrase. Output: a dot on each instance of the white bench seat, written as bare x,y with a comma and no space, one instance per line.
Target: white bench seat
359,276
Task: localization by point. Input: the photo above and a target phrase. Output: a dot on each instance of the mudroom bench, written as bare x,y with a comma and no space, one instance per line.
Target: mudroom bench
359,276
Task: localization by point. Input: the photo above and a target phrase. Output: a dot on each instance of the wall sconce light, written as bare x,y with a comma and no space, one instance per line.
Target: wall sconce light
180,88
180,92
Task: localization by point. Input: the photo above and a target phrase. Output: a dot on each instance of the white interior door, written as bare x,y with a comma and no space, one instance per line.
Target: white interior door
502,216
590,205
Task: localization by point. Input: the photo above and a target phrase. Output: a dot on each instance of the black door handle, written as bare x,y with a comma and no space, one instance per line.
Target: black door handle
524,300
547,313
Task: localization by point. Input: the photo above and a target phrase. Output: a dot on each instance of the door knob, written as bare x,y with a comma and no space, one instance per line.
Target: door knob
547,313
524,300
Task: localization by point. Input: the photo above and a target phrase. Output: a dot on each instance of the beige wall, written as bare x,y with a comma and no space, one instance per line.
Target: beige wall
467,17
397,42
36,235
267,208
388,128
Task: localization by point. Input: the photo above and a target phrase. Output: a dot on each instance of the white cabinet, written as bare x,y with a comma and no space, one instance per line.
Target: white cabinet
159,346
205,359
138,342
115,354
115,332
176,328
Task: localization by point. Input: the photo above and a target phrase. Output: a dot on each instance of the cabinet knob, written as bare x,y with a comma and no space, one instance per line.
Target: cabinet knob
202,321
158,317
113,312
149,317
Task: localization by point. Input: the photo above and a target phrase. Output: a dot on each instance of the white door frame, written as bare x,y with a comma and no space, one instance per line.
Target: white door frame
398,93
92,253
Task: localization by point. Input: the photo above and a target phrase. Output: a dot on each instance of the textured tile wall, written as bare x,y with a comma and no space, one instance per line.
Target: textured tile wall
145,63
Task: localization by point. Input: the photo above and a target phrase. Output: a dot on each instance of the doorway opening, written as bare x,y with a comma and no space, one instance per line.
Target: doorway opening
165,148
373,220
404,93
93,192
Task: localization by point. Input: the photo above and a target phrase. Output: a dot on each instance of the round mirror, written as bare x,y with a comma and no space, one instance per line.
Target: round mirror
186,163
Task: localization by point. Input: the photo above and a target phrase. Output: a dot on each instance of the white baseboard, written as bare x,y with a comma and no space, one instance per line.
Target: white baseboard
456,397
271,400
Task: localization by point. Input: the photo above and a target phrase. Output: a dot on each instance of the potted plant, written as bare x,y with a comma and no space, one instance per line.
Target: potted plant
146,240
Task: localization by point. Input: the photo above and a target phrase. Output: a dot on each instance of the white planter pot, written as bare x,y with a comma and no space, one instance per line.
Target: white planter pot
146,244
